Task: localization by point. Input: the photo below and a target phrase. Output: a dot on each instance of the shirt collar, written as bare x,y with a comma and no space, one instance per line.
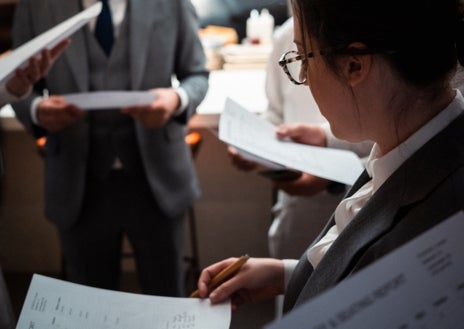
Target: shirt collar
381,167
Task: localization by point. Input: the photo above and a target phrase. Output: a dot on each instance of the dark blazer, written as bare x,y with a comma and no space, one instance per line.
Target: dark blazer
425,190
163,41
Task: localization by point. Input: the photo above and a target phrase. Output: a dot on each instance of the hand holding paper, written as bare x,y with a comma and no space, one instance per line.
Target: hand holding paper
156,113
245,131
55,113
23,79
47,40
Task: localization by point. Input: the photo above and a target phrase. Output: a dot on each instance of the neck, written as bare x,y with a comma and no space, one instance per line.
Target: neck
396,129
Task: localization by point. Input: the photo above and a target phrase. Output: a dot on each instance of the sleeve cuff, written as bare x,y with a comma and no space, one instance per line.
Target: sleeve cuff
33,109
289,266
184,100
330,138
8,97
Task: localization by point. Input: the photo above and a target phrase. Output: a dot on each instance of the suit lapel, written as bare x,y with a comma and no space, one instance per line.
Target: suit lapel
416,178
304,268
143,16
357,235
76,54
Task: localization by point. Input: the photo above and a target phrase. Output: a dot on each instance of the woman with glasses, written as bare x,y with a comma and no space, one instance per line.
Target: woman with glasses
376,74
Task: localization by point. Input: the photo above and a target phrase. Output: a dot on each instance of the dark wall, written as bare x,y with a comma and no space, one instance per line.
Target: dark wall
6,19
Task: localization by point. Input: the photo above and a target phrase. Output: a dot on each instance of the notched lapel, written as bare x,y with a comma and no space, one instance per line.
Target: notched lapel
361,232
143,17
76,53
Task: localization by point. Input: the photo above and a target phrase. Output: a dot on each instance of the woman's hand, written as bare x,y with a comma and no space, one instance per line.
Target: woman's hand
305,185
258,279
23,79
239,162
303,133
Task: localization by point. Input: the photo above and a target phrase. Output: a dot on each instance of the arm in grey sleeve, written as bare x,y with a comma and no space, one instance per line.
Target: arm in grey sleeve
190,59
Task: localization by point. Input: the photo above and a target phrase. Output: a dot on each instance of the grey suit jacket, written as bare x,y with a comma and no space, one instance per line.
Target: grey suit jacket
425,190
163,41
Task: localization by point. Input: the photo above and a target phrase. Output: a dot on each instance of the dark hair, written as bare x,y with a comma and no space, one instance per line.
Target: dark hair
419,38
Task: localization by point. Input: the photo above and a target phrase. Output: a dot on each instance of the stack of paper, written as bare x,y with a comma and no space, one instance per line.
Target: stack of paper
246,56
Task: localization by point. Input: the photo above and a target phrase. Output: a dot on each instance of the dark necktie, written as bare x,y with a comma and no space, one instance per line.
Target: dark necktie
104,28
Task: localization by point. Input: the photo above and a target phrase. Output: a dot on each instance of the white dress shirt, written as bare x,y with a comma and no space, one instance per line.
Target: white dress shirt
7,97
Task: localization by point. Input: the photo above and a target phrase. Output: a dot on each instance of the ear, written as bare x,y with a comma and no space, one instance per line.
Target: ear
356,67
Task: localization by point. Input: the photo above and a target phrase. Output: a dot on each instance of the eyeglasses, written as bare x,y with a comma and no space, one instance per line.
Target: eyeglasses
294,65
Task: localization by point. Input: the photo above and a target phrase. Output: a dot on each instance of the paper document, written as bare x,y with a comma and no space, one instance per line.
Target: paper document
53,304
46,40
244,130
418,286
101,100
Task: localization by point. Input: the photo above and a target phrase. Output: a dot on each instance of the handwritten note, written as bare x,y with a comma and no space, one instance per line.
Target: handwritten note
57,304
249,133
418,286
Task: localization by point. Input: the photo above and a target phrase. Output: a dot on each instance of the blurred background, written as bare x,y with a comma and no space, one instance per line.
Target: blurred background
233,215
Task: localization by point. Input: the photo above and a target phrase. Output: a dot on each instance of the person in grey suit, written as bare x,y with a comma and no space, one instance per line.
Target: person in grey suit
375,75
13,89
125,171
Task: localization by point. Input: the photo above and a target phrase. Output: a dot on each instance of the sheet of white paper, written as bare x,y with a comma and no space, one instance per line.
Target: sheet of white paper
53,304
418,286
101,100
48,39
244,130
266,163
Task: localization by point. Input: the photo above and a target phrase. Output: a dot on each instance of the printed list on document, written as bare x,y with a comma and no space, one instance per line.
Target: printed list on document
56,304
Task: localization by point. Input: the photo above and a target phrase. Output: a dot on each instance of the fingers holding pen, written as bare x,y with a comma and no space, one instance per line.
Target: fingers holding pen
256,280
209,273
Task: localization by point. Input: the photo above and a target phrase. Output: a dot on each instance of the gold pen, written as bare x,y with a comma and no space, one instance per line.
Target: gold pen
224,275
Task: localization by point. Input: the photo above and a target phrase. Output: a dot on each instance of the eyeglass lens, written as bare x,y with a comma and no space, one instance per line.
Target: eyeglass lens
295,69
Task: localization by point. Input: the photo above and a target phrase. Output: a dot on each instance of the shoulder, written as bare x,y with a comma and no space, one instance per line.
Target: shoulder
283,35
